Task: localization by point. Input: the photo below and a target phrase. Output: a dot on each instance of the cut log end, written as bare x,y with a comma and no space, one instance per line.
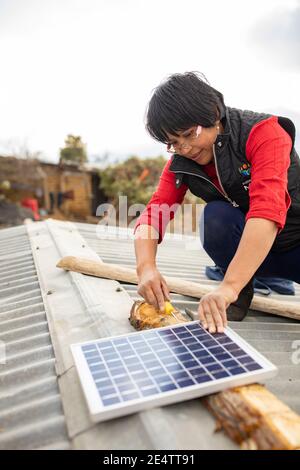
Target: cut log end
144,316
255,418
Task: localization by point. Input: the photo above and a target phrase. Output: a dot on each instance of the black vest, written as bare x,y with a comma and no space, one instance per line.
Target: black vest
234,172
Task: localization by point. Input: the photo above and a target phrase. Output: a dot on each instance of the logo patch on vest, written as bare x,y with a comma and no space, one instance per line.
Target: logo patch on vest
245,169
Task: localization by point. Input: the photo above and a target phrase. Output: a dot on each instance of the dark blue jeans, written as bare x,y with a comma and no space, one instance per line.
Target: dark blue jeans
221,228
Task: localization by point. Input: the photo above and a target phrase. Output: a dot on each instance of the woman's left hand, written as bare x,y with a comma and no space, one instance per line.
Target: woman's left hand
212,308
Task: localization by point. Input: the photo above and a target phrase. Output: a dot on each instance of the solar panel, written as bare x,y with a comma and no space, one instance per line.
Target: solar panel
124,374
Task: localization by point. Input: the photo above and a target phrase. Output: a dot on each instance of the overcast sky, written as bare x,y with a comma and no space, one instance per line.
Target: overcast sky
87,67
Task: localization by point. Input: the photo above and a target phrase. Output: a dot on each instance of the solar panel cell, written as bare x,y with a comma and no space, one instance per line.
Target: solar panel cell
245,359
110,401
149,391
180,375
185,383
130,396
203,378
167,387
214,367
252,366
206,360
220,374
197,371
162,379
222,356
231,363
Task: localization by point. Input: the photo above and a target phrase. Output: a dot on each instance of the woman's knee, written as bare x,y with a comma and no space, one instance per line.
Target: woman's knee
218,221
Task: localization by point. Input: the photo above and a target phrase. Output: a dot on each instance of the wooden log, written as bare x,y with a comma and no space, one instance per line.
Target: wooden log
250,415
144,316
255,418
177,285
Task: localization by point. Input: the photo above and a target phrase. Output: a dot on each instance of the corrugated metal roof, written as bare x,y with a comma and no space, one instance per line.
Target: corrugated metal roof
273,336
31,415
82,307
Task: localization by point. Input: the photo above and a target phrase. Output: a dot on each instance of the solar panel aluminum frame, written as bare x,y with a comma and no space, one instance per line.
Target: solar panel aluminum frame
99,412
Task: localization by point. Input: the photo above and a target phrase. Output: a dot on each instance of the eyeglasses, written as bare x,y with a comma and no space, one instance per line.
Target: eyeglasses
189,139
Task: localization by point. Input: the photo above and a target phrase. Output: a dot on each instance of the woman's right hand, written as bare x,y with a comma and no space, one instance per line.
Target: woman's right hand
153,287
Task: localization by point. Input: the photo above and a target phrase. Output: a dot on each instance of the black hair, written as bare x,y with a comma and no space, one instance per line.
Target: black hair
180,102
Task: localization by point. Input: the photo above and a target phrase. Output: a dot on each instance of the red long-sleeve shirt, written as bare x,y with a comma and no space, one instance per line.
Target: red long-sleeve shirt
268,151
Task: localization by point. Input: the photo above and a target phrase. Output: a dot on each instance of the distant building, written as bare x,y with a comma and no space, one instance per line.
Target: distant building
66,190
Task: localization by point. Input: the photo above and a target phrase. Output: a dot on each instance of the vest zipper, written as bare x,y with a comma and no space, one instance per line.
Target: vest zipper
217,171
210,182
200,176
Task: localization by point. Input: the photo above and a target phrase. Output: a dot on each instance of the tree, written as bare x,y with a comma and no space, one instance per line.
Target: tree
137,179
134,178
74,150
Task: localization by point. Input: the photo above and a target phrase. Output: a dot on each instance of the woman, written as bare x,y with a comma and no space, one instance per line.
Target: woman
244,165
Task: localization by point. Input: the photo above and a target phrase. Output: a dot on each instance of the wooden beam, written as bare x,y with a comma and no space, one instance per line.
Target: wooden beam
177,285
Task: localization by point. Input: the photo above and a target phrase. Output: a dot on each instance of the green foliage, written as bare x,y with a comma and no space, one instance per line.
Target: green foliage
74,150
134,178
